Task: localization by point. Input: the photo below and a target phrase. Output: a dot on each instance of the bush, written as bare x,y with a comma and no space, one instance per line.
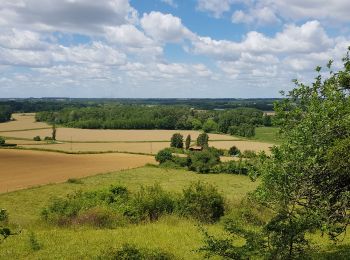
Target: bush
163,156
37,138
66,211
177,141
74,181
48,138
33,242
203,161
249,154
231,167
131,252
2,140
202,202
149,204
4,216
234,151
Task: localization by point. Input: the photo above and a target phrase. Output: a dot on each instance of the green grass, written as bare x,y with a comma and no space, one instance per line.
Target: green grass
179,236
267,134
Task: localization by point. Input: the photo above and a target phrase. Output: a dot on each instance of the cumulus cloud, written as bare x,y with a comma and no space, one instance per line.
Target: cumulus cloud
170,2
66,15
164,27
214,7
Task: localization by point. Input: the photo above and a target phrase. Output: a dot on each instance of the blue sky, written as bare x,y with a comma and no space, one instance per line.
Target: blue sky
166,48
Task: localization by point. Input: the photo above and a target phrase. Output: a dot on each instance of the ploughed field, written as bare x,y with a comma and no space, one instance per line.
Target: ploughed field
21,169
96,140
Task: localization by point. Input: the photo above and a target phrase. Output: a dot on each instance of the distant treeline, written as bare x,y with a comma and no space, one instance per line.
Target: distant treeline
5,113
240,121
54,104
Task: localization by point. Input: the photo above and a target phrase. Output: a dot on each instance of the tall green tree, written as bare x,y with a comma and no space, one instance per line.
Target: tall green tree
177,141
306,181
188,142
203,140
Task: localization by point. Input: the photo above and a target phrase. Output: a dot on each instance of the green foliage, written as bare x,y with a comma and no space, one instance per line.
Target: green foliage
54,131
202,140
132,252
245,130
210,126
34,242
149,204
2,140
231,167
248,154
202,202
306,180
188,142
234,151
48,138
177,141
203,161
74,181
5,113
37,138
3,216
163,156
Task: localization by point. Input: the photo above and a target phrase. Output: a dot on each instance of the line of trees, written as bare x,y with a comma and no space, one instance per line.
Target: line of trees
240,121
5,113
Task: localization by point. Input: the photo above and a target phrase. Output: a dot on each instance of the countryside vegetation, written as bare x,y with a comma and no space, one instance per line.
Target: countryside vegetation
202,193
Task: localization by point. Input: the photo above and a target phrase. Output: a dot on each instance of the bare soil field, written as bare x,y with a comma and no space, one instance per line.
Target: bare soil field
143,147
23,169
22,122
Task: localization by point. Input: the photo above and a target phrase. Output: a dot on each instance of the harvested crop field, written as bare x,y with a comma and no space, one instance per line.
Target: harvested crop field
22,169
98,135
22,122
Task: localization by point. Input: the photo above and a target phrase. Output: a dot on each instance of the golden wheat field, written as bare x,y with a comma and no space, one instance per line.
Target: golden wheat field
22,169
22,122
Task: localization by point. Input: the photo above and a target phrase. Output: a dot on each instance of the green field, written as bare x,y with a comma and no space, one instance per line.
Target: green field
179,236
267,134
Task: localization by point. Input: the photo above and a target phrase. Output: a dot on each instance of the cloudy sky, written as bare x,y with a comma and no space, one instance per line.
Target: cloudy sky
166,48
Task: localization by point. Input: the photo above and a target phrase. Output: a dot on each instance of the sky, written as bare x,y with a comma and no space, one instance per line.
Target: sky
167,48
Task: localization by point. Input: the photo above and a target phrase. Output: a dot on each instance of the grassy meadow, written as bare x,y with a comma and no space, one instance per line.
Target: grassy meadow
179,236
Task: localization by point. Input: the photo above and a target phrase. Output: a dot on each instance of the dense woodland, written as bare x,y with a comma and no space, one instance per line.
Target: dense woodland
5,113
240,121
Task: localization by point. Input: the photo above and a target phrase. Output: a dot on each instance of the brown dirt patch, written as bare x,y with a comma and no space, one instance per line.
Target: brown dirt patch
23,169
22,121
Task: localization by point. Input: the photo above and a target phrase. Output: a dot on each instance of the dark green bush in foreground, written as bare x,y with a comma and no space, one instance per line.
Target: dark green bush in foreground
131,252
116,206
202,202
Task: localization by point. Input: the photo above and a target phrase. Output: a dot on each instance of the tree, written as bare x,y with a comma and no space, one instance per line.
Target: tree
2,140
234,151
306,180
54,132
203,161
188,142
177,141
163,156
202,140
210,126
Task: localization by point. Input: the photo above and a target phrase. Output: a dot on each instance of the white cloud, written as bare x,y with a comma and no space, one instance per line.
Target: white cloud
164,27
259,16
215,7
21,39
127,34
66,15
170,2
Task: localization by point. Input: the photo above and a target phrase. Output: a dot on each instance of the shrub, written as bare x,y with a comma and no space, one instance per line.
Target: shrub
131,252
149,204
2,140
249,154
163,156
231,167
34,242
202,202
4,216
177,141
48,138
37,138
234,151
74,181
203,161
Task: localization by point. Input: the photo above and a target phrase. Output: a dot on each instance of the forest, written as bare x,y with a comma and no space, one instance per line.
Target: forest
239,121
